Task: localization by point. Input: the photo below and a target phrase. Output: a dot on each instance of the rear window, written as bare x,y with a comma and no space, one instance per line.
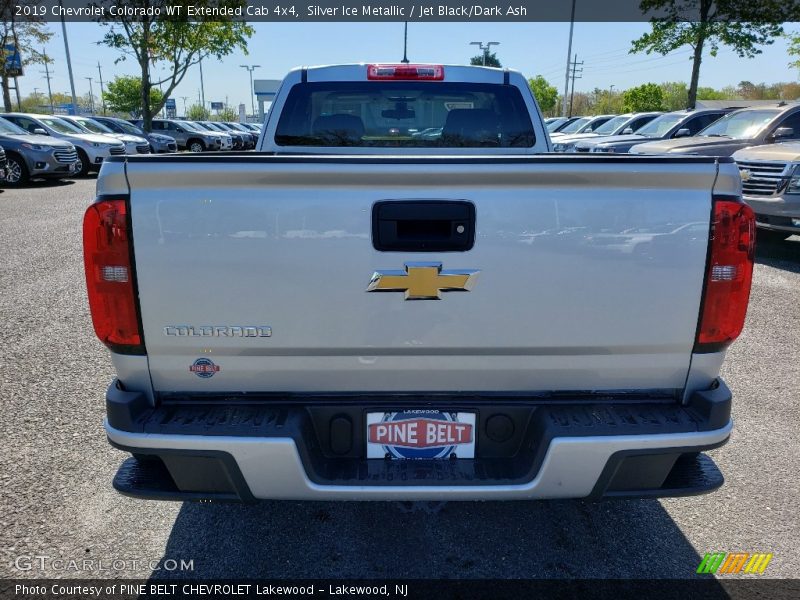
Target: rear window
405,114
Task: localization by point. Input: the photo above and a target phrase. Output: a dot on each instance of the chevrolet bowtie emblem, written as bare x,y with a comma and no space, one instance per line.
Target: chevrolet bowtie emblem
745,174
422,281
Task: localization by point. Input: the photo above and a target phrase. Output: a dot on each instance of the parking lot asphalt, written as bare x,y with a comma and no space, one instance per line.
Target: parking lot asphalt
56,466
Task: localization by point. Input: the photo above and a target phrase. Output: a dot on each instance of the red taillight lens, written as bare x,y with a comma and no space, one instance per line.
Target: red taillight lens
109,276
406,72
729,275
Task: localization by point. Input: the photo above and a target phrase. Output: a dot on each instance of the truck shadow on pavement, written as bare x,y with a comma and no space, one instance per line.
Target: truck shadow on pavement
555,539
780,255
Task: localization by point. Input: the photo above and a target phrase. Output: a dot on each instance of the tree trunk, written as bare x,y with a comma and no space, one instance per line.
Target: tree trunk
703,31
147,113
698,58
7,95
144,63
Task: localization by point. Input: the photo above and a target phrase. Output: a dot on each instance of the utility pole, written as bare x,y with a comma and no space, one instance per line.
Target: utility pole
91,93
184,98
102,91
252,68
47,75
202,86
569,54
485,49
576,74
69,61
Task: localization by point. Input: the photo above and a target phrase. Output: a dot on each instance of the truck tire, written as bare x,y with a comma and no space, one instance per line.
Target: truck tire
83,164
196,146
17,173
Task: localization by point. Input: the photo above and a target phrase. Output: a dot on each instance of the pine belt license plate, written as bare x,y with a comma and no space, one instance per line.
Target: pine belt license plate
421,434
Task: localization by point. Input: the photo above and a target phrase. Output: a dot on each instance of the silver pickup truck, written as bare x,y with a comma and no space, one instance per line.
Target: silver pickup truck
404,295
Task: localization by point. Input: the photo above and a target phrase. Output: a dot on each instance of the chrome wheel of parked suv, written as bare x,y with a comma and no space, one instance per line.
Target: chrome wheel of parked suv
82,166
196,146
16,171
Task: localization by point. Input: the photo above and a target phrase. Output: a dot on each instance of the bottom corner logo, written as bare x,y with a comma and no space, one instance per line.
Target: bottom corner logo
204,367
727,563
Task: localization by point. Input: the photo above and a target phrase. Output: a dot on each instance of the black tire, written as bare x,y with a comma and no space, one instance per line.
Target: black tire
768,236
17,173
195,146
83,160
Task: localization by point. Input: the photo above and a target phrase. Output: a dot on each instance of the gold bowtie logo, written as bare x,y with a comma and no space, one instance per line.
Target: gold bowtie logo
422,281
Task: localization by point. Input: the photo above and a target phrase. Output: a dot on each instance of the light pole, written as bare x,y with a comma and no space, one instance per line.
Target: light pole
69,62
252,68
485,49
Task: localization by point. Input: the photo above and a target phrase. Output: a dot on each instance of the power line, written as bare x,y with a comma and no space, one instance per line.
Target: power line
48,76
91,94
576,73
102,97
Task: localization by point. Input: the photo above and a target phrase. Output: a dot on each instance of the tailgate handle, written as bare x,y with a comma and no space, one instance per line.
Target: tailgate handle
423,225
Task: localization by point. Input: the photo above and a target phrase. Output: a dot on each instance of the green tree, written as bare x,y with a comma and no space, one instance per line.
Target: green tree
173,44
197,112
675,94
645,97
488,59
226,114
545,94
28,33
794,48
608,102
742,25
709,93
124,95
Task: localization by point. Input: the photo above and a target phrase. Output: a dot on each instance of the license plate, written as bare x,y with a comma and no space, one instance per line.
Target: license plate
420,434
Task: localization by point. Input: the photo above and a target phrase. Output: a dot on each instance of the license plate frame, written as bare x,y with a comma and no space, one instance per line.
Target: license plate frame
420,434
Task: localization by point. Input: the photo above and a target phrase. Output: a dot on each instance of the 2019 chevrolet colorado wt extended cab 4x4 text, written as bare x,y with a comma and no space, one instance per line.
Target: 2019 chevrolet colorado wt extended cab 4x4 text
364,311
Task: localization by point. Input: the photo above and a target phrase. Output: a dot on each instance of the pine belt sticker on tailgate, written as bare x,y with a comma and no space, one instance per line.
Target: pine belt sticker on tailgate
420,434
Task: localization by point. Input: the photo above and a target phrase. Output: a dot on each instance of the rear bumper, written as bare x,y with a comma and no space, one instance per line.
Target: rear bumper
559,450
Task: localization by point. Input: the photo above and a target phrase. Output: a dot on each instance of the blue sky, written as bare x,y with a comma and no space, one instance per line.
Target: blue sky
533,48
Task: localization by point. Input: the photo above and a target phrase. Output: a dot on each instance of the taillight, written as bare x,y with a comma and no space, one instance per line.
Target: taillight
728,276
406,72
109,276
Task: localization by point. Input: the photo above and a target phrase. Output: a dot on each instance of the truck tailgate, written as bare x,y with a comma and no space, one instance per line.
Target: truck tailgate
590,274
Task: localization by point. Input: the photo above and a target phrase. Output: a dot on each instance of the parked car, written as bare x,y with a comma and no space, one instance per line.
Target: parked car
134,144
627,123
35,156
582,125
560,123
3,164
237,140
158,142
771,186
92,148
251,137
752,126
676,124
186,135
254,127
351,315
